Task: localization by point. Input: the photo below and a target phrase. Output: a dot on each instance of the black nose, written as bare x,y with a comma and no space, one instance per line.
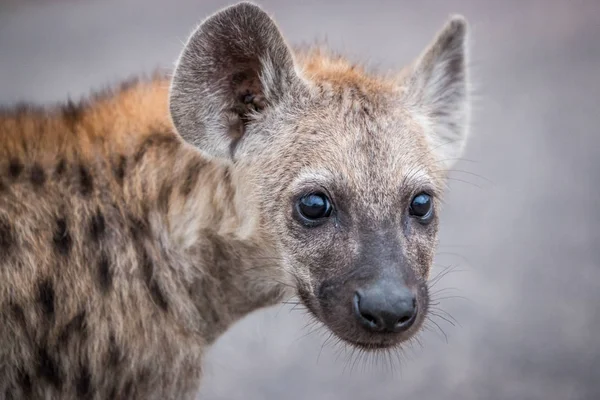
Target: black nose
384,307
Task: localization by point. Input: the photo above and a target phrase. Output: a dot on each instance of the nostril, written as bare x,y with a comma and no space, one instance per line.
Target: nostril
389,311
407,319
369,318
366,318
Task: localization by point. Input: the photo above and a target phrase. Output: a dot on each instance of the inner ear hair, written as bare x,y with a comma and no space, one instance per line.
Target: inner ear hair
248,93
247,98
234,65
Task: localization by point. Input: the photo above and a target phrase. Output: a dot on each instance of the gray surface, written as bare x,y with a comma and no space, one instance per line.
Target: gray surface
528,241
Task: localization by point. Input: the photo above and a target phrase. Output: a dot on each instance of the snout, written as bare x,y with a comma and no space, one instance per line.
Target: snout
372,314
385,307
379,301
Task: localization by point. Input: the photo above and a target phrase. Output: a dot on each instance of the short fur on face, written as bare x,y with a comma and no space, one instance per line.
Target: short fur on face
295,123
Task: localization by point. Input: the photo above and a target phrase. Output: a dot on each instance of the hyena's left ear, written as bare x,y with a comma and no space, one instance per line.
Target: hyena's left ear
233,66
437,90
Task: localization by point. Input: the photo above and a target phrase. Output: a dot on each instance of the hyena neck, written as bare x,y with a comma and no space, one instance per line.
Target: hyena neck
207,232
203,257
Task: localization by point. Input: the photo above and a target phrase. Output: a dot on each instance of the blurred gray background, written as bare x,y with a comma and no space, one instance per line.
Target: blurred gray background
521,220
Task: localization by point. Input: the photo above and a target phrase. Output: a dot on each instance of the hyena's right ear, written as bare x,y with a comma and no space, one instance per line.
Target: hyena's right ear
438,89
234,65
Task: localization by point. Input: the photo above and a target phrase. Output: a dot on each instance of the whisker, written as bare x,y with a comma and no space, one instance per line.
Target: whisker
454,254
283,303
448,315
314,327
464,181
457,159
439,328
442,317
433,281
291,303
453,297
325,342
442,290
460,171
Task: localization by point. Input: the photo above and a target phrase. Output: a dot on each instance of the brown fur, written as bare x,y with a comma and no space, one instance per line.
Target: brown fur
125,251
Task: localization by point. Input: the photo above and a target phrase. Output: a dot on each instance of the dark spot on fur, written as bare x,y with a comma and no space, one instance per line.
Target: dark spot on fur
148,273
145,214
83,382
7,237
60,167
38,176
158,296
46,297
164,196
48,368
75,326
114,353
235,140
97,226
18,314
239,77
143,376
129,84
221,256
226,184
62,237
24,381
119,168
86,182
15,167
155,140
104,273
191,175
227,177
19,110
138,227
127,389
72,114
214,314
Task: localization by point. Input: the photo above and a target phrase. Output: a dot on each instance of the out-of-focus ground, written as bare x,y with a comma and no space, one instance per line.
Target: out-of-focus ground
522,223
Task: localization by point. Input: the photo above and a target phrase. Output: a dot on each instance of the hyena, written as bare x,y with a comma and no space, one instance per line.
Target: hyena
138,225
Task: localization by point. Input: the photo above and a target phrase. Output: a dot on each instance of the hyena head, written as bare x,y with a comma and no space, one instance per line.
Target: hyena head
343,170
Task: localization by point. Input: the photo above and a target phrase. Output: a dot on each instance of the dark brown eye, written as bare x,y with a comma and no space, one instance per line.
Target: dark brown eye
314,206
421,207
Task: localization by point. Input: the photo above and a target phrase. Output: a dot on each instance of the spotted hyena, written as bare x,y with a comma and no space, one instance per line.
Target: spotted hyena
137,226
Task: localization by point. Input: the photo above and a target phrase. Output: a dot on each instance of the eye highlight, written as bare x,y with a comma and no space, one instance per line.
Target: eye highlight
313,207
421,207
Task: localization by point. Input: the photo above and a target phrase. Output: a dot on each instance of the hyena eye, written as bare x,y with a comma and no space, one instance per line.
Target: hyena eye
314,206
421,207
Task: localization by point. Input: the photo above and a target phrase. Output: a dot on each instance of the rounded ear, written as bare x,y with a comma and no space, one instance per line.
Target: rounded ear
437,90
235,64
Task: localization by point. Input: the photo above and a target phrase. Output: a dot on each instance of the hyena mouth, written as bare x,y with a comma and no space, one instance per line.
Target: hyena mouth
369,321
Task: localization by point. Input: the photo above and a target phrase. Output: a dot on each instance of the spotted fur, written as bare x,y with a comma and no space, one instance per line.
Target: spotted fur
138,225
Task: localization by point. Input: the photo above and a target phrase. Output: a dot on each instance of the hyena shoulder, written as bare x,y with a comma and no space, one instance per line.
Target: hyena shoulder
82,292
